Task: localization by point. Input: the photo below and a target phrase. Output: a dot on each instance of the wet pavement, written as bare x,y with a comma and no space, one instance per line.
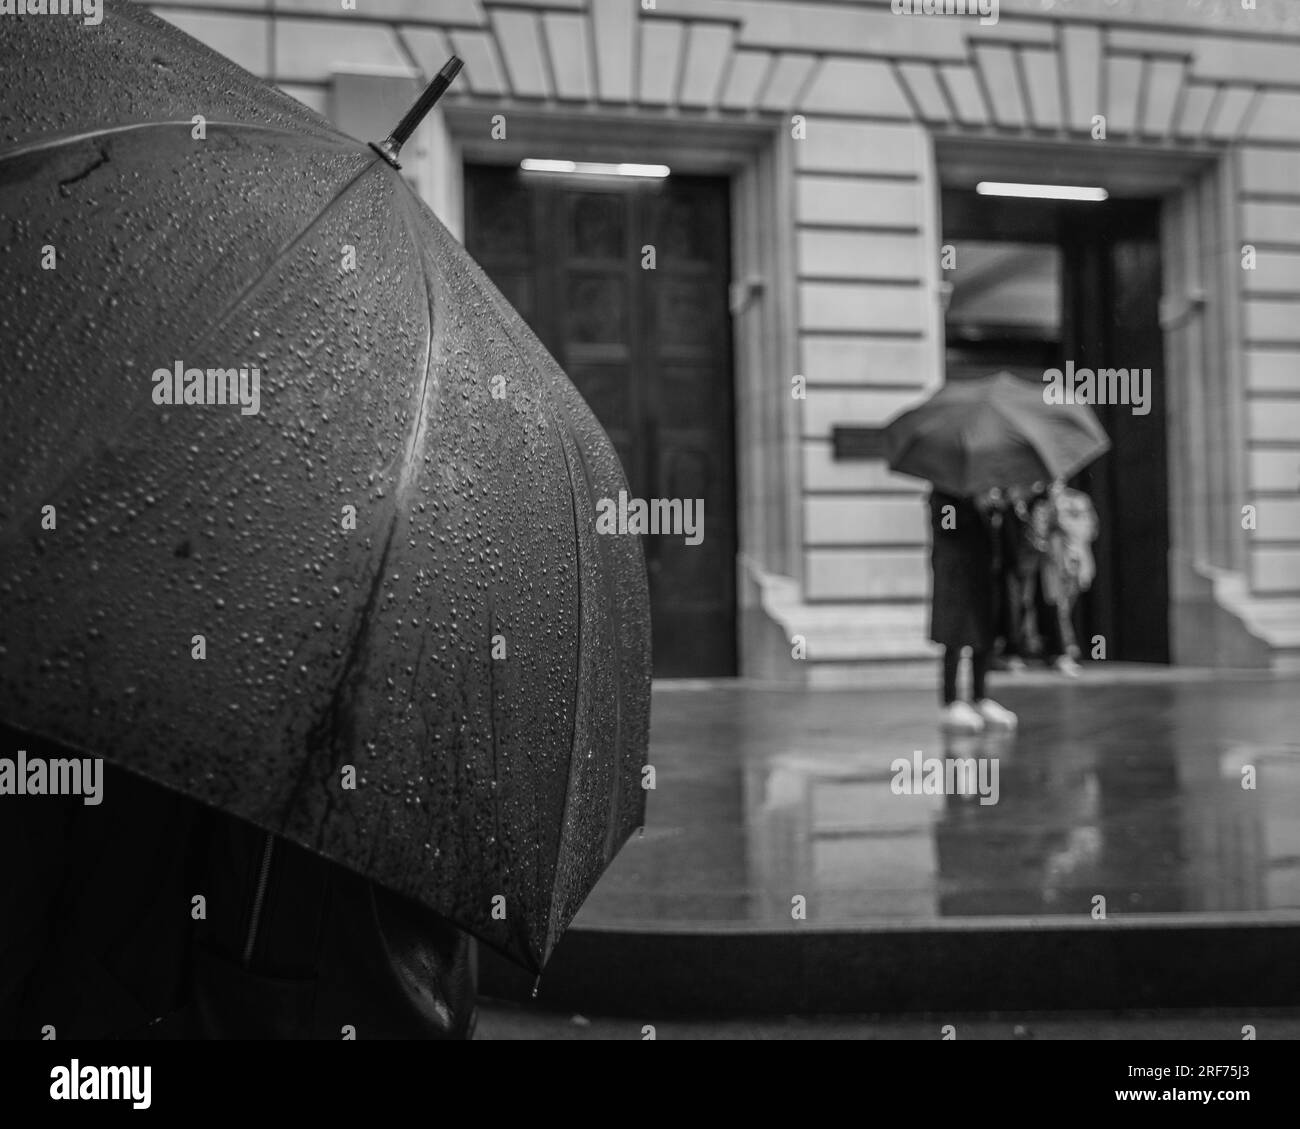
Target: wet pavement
1127,788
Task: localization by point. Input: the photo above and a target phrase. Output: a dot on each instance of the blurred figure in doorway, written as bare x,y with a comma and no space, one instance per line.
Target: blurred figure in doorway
1068,569
1023,545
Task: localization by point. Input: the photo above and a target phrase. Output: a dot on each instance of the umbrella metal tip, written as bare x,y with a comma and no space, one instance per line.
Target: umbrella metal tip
392,144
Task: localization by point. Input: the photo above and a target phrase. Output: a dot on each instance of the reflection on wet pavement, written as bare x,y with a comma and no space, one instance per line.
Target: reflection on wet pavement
1131,792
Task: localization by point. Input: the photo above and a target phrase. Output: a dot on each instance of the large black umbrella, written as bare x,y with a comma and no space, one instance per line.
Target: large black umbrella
996,430
361,602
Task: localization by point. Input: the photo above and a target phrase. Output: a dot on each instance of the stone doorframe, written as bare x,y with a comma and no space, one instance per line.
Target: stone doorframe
1204,379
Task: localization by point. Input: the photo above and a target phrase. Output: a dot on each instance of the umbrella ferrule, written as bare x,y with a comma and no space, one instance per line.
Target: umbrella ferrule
392,144
388,149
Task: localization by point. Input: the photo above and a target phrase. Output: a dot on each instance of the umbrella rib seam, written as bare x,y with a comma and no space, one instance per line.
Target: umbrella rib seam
577,682
47,144
425,278
577,549
408,208
239,299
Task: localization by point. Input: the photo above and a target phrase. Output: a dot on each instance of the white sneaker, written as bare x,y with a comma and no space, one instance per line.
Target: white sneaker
961,717
994,714
1067,666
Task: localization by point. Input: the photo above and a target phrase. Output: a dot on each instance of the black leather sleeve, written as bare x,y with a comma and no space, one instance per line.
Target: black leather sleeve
335,956
101,936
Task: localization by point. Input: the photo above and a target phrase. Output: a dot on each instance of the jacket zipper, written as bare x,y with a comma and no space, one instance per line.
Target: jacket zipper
259,897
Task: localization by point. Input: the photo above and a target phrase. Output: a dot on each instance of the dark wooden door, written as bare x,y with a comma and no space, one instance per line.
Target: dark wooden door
650,351
1112,296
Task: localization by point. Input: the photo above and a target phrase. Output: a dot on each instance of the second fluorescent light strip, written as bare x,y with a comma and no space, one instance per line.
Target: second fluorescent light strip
593,168
1041,191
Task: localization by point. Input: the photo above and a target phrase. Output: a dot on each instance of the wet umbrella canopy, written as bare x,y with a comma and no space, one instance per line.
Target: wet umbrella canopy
993,431
290,497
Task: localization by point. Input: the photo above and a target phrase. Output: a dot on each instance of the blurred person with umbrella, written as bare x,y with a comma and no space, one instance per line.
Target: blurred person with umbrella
297,531
976,441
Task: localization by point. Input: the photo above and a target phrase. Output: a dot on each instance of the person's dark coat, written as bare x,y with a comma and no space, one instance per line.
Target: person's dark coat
961,556
102,934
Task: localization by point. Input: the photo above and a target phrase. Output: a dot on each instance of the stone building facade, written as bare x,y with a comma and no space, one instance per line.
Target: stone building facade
838,127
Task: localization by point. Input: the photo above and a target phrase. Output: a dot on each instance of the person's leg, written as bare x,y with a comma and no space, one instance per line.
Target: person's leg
958,716
979,669
1012,619
1033,638
1001,608
1067,660
1049,620
1065,609
1019,597
988,709
951,664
